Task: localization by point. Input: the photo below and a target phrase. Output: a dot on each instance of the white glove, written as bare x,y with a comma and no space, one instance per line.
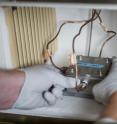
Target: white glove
42,87
103,90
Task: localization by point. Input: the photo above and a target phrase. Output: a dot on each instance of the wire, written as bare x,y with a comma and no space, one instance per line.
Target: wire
90,37
73,46
113,33
52,40
98,16
66,22
95,15
93,18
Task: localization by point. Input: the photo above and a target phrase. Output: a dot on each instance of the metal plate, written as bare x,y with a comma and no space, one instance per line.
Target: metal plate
97,68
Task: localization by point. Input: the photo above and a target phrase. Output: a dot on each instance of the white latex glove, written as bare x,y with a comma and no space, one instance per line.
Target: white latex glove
103,90
36,90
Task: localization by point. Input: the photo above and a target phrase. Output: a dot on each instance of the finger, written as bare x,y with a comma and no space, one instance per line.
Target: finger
50,98
64,81
71,82
96,94
58,91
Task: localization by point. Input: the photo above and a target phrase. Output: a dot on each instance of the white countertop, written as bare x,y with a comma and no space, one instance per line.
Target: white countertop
68,107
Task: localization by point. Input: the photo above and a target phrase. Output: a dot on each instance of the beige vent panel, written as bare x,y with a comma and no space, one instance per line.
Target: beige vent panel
29,31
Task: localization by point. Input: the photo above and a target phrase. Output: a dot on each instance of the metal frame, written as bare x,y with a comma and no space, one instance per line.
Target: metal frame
90,4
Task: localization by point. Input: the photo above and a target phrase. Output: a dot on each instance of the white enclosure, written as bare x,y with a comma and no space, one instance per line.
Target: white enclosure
88,43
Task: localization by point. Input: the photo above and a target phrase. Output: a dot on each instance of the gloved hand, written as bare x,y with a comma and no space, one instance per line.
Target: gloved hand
42,87
103,90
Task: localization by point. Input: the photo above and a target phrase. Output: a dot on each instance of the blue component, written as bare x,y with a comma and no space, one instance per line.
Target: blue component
90,65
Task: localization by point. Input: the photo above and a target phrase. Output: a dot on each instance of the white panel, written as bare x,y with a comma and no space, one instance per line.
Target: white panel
5,52
68,107
2,61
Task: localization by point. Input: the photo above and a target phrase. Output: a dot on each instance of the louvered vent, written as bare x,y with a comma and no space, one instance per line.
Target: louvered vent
29,31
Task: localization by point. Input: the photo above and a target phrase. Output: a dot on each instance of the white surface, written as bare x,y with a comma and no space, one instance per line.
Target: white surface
68,107
4,41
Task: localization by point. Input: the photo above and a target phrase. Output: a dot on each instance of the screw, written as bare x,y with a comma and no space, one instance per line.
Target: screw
80,58
107,60
100,73
72,70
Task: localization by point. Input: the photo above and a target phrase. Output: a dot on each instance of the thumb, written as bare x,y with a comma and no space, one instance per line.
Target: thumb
71,82
68,82
58,91
50,98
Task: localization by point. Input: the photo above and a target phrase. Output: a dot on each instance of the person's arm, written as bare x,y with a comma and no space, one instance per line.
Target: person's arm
11,82
109,114
110,110
106,92
32,87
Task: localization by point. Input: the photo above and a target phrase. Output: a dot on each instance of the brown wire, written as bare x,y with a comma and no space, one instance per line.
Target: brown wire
95,15
93,18
47,47
55,64
66,22
108,32
73,47
113,34
98,16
